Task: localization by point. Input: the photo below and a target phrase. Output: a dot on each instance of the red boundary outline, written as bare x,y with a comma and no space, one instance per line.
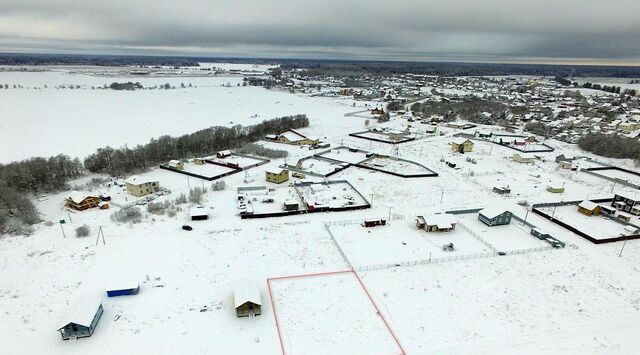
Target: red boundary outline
364,288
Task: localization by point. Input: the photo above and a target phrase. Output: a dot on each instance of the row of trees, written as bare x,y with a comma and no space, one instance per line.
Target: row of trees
20,180
118,161
611,146
468,109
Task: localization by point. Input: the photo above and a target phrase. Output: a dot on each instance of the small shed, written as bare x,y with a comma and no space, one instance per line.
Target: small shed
589,208
246,299
462,145
199,214
223,154
555,188
123,290
291,205
82,319
494,216
374,222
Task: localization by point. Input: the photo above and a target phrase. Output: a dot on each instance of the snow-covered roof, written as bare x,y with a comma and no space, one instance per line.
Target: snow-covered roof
123,285
292,136
460,140
492,212
139,180
83,313
443,221
76,196
586,204
198,211
244,292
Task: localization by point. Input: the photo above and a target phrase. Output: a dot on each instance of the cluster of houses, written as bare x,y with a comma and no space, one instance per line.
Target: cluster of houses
622,207
293,137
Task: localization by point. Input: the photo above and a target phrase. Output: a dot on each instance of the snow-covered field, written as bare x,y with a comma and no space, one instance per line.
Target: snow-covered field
583,299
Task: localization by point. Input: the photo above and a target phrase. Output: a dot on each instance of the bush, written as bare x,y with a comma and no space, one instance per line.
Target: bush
218,185
195,195
82,231
256,149
181,199
127,215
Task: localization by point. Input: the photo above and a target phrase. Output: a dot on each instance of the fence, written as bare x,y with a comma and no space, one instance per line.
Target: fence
446,259
475,235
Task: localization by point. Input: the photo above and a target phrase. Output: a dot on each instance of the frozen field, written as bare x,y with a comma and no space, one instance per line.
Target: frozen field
345,155
329,314
335,195
207,170
621,175
513,236
397,166
78,121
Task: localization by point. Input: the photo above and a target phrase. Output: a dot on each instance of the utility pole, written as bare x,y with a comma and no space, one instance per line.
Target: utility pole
63,235
441,195
614,184
100,233
623,244
188,183
69,213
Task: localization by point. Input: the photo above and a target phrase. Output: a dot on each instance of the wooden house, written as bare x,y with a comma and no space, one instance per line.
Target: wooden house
246,299
436,223
176,165
589,208
81,202
494,216
291,205
524,158
141,186
82,320
462,145
565,157
277,177
293,137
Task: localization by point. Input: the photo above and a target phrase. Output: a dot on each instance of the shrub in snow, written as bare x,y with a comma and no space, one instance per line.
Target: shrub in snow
127,215
82,231
218,186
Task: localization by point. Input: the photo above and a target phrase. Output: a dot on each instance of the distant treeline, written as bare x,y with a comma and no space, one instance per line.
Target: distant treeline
611,146
207,141
362,68
18,180
467,109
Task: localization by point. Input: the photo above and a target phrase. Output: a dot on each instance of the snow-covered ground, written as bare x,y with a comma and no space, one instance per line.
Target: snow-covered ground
583,299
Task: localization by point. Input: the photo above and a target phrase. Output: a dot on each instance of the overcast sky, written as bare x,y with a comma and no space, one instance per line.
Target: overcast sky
580,31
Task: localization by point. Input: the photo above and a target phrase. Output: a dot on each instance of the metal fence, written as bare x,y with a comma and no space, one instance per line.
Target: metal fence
475,235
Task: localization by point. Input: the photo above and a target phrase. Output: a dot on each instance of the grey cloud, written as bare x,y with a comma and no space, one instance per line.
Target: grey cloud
463,29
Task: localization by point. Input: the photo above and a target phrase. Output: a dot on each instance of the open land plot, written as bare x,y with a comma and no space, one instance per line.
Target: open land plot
345,155
329,314
383,136
397,166
513,236
207,170
319,166
334,195
400,241
619,174
242,161
598,227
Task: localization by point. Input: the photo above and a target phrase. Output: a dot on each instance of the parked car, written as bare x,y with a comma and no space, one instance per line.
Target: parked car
187,227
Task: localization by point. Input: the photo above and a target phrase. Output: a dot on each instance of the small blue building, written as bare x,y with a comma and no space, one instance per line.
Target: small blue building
495,216
124,290
83,319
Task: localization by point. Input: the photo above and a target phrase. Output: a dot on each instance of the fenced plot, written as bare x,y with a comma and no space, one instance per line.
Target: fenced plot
400,242
329,313
514,236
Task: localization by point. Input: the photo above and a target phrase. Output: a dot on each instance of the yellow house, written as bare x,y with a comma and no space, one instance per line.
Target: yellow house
277,177
462,145
176,164
139,186
524,158
293,137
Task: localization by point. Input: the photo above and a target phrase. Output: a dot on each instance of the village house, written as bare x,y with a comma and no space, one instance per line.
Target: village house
524,158
293,137
462,145
176,164
494,216
81,202
277,177
82,321
141,186
565,158
629,203
199,214
246,299
436,223
563,164
589,208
